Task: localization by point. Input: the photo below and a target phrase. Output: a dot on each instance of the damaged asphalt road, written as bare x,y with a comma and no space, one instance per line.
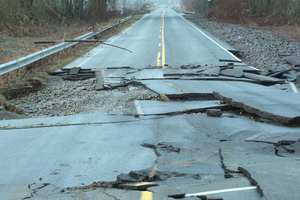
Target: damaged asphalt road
170,148
216,129
193,160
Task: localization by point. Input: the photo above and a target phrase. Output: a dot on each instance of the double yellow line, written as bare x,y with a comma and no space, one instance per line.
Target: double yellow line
162,56
146,195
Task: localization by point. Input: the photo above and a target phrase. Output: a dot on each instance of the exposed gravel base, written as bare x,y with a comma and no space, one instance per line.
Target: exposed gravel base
61,98
259,48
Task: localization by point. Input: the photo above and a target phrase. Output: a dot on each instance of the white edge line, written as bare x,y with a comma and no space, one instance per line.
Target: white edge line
294,88
120,34
138,107
221,191
207,36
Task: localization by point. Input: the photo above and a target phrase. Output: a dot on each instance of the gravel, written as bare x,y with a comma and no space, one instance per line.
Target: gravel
61,98
259,48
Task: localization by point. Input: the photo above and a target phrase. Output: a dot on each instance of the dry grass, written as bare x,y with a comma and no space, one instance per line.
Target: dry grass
17,41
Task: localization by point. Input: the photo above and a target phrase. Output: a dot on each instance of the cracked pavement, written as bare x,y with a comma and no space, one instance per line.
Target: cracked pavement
221,130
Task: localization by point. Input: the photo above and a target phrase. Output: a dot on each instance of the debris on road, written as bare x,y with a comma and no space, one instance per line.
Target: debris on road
75,73
214,112
164,97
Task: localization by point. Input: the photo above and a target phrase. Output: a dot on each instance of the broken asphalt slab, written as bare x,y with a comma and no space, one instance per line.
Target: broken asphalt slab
294,60
238,73
237,153
279,180
265,80
144,107
276,105
110,78
179,87
261,136
75,73
200,88
215,71
181,158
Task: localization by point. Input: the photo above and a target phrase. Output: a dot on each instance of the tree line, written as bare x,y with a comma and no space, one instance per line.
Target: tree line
14,11
273,11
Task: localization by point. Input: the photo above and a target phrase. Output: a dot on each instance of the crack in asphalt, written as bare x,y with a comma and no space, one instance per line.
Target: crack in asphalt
226,171
253,181
8,127
34,190
110,195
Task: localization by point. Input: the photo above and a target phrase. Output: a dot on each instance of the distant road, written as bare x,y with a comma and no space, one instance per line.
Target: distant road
162,37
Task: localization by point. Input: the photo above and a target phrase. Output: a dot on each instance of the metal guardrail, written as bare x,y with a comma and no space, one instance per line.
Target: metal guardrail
27,60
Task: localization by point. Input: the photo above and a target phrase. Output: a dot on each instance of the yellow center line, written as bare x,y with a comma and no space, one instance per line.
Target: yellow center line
144,183
163,38
158,59
146,195
182,90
